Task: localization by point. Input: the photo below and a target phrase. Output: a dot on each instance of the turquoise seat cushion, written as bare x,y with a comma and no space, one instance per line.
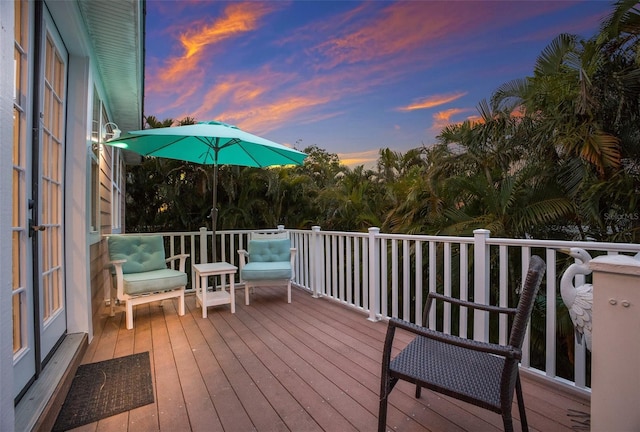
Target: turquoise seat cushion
266,270
269,250
153,281
143,253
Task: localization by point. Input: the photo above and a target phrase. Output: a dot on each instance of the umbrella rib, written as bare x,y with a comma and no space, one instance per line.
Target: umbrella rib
151,153
293,161
230,143
258,164
261,165
212,144
280,153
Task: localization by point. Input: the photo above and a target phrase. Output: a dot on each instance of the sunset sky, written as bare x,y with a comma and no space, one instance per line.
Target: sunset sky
350,77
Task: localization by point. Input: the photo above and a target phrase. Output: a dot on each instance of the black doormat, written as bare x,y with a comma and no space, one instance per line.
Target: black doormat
106,388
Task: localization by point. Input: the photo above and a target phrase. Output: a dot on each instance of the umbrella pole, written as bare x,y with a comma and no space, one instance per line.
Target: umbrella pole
214,211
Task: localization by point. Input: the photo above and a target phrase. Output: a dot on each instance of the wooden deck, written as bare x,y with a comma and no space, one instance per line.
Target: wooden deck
312,365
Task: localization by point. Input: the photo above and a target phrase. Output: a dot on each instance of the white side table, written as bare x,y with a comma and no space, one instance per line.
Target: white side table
205,297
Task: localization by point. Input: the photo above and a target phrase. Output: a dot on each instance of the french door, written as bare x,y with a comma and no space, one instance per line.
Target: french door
39,315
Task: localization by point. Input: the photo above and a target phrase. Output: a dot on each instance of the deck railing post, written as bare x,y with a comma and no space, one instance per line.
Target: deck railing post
203,246
615,348
481,288
316,263
374,274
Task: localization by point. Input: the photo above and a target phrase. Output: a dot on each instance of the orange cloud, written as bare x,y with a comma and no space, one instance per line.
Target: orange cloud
399,28
442,119
432,101
475,119
238,18
263,100
269,116
260,101
368,158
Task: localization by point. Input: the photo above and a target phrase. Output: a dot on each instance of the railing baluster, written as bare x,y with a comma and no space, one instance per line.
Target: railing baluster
481,284
432,281
366,288
406,278
503,284
341,269
384,279
550,328
358,286
349,242
526,350
447,287
373,267
328,289
315,268
464,288
394,278
418,276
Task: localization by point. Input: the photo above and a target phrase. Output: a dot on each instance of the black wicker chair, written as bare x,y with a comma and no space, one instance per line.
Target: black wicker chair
483,374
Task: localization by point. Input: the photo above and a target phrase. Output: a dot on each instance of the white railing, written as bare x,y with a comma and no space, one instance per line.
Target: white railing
387,275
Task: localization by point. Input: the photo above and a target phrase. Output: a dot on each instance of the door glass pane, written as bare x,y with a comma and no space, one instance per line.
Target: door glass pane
18,318
46,298
19,292
19,219
51,181
18,256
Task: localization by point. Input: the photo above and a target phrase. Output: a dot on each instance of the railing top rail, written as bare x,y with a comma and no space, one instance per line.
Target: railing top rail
343,233
164,233
600,246
492,241
426,238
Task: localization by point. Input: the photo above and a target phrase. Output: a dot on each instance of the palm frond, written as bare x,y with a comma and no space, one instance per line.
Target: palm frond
553,55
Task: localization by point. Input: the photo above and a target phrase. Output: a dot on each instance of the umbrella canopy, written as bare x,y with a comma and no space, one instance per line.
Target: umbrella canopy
210,143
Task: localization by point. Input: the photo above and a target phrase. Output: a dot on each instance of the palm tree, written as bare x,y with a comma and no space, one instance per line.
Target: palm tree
560,98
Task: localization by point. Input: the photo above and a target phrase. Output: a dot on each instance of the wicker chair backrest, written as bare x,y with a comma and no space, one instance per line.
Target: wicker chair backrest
528,295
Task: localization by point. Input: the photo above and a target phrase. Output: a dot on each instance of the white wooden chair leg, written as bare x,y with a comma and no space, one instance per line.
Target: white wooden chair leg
289,292
129,313
246,294
112,301
181,303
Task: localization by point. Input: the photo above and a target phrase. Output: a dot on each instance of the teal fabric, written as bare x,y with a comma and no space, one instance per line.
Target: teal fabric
153,281
269,250
209,143
143,253
266,270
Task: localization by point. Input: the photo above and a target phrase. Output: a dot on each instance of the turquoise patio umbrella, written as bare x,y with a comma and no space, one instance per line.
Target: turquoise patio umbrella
209,143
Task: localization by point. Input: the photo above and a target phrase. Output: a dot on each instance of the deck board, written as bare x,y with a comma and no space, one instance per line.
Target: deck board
312,365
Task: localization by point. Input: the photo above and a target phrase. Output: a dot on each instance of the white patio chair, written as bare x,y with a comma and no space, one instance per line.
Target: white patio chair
268,261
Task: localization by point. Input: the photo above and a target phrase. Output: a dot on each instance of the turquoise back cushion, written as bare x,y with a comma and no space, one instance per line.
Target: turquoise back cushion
269,250
143,253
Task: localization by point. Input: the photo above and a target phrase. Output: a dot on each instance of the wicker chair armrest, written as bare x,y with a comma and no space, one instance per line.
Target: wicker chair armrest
472,305
506,351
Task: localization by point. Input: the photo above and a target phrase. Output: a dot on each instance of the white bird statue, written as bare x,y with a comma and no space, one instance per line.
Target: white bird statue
579,300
